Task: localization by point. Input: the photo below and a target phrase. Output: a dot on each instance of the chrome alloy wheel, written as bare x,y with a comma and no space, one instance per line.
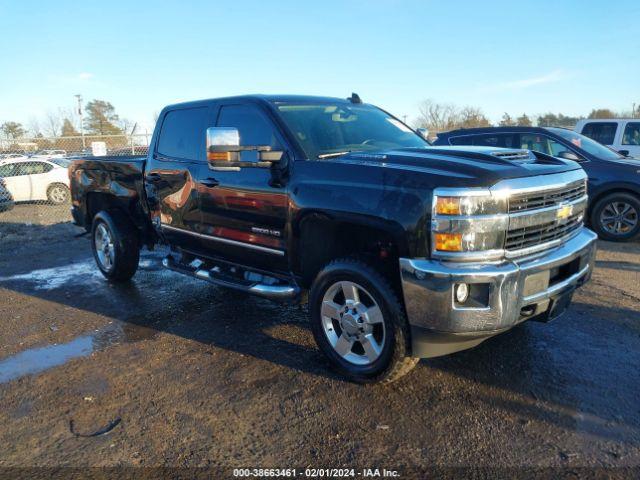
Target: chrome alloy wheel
353,323
104,247
58,194
618,218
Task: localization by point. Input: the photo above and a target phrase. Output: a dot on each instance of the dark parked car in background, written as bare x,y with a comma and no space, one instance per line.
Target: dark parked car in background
614,180
6,200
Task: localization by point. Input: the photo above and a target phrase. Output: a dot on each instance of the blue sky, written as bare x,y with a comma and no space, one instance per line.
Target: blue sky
514,56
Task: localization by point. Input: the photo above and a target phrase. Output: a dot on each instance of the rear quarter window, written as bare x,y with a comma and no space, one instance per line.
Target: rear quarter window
602,132
631,135
183,134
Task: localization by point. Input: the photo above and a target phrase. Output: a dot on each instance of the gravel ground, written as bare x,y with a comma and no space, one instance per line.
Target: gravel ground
171,372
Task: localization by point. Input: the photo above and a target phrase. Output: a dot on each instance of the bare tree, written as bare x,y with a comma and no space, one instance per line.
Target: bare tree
437,117
53,121
507,120
33,127
602,113
440,117
524,121
472,117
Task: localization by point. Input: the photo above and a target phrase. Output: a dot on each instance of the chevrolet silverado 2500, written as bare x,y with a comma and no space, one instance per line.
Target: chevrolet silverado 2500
402,250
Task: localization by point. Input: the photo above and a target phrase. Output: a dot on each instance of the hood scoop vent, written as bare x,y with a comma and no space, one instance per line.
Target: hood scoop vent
520,156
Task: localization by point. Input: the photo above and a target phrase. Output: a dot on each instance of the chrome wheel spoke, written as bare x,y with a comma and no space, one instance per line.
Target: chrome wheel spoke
353,323
350,291
373,315
343,346
331,309
372,349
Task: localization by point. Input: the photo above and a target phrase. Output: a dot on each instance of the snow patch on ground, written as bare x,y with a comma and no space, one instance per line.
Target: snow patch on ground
56,277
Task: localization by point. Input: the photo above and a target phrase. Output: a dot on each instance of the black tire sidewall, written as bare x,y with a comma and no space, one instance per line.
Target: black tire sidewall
362,275
601,205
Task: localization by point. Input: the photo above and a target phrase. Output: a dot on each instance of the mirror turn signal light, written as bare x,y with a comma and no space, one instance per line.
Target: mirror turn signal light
448,206
219,156
448,242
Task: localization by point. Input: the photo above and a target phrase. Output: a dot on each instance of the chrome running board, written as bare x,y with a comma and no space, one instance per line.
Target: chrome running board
280,292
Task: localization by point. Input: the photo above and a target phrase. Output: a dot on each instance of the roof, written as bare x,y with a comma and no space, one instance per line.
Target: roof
473,131
265,98
27,159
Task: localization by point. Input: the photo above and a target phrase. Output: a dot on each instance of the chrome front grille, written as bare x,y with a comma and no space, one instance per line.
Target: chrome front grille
548,198
534,235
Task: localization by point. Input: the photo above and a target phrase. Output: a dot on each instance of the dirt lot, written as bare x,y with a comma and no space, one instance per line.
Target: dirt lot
184,374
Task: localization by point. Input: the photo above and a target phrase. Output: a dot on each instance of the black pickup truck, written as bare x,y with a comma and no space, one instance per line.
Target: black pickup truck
402,250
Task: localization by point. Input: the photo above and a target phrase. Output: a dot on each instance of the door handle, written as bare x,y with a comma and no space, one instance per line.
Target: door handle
210,182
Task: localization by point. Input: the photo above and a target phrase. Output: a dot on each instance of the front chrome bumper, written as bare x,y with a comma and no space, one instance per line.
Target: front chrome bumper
514,291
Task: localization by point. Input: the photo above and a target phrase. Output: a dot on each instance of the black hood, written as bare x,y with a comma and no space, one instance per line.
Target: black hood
485,164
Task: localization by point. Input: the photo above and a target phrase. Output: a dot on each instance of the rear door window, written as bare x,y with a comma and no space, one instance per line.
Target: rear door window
602,132
7,170
501,140
40,167
631,135
182,135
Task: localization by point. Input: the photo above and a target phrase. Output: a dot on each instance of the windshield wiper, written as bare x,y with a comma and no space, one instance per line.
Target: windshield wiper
334,154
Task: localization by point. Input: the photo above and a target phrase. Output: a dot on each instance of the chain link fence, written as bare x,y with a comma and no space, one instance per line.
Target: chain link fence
34,180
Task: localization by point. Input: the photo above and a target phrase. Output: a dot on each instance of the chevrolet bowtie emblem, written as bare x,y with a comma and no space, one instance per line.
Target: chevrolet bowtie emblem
564,212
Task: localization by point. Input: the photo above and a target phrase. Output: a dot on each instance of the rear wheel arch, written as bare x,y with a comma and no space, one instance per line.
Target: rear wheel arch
101,201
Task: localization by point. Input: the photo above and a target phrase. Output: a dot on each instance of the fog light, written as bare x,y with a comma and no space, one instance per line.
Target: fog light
462,292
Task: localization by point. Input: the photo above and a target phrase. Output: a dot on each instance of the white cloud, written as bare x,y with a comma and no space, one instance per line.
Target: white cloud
85,76
551,77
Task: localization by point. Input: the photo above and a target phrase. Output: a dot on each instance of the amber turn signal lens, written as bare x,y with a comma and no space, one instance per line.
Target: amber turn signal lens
449,242
448,206
218,156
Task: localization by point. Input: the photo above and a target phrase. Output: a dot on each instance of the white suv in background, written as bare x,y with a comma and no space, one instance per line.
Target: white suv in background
621,134
35,179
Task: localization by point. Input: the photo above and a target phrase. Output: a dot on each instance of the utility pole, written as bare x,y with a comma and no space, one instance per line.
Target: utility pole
79,97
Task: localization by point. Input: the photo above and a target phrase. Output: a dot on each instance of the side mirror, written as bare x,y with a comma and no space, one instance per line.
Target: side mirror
624,152
224,150
423,132
567,155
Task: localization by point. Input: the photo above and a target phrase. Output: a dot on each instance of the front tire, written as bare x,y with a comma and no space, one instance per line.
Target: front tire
616,217
116,246
359,323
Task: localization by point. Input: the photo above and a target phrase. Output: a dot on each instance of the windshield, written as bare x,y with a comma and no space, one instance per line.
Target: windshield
585,143
329,130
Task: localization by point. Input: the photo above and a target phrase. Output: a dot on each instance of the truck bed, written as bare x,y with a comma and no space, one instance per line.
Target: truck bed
119,178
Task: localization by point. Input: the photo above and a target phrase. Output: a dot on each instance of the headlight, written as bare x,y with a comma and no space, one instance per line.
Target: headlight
468,224
469,205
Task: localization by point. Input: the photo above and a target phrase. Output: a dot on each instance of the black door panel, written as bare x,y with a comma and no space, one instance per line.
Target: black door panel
244,216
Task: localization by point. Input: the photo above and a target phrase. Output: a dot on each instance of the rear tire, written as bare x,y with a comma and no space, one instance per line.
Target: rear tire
115,244
364,334
616,217
58,194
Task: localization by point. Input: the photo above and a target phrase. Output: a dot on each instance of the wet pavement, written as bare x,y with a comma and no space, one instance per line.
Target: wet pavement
170,371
